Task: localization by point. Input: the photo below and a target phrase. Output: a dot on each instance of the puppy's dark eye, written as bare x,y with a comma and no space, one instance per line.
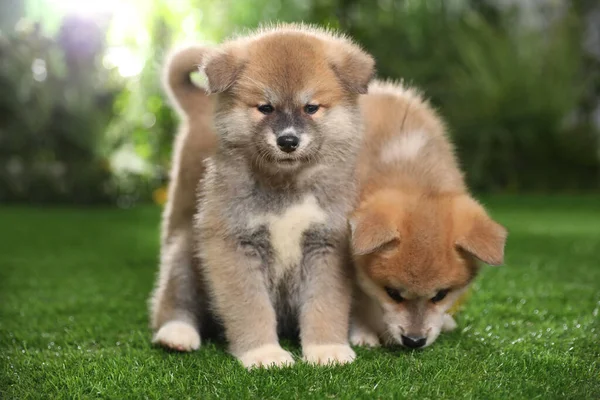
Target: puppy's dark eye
441,295
311,108
266,109
394,294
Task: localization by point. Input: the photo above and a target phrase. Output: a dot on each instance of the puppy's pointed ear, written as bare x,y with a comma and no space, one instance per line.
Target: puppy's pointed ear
478,234
222,68
371,231
352,66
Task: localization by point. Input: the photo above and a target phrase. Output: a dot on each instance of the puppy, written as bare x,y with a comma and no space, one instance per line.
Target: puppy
178,302
271,229
417,235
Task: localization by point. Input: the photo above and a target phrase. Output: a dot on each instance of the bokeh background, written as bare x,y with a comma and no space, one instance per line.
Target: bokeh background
83,119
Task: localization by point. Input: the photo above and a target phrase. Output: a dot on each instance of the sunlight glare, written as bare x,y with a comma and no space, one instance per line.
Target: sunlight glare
125,60
87,7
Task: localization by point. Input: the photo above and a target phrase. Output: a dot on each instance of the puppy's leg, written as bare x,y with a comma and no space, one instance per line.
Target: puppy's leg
242,302
363,336
174,304
362,330
325,311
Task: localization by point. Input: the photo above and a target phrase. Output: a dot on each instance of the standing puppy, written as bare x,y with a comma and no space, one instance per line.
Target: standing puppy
271,226
178,303
417,234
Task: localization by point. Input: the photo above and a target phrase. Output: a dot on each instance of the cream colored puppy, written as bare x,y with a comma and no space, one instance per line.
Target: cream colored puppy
270,232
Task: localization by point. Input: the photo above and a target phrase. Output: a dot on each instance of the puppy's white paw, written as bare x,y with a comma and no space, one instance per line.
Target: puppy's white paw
362,337
448,323
270,355
178,335
326,354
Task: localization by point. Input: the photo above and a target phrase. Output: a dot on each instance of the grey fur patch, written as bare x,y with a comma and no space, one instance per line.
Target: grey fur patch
286,302
284,120
317,242
257,244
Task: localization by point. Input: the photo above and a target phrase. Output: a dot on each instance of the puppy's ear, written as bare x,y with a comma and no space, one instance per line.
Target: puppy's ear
353,66
371,231
222,68
478,234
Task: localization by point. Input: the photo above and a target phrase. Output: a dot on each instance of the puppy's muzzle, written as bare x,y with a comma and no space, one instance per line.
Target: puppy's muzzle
288,143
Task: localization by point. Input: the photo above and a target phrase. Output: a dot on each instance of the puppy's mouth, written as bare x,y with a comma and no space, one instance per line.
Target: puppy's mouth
276,160
288,162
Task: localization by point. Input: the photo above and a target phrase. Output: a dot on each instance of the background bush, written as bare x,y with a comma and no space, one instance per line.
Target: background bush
83,117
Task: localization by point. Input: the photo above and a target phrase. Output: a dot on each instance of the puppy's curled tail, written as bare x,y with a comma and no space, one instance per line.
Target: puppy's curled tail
186,96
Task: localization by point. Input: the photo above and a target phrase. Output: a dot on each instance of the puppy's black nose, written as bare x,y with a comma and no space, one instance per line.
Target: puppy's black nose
413,342
288,143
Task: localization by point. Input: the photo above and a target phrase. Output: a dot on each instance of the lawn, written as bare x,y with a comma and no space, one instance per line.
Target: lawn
73,323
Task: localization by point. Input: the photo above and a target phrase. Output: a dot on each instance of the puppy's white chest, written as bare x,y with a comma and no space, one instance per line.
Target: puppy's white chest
287,229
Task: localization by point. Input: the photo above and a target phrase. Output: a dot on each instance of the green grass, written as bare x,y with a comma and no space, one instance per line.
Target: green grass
73,324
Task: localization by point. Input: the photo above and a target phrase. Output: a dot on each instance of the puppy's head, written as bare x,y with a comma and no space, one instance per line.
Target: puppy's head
287,94
415,255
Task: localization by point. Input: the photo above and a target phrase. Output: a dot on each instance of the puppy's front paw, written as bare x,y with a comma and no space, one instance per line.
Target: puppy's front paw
271,355
365,338
326,354
178,335
448,323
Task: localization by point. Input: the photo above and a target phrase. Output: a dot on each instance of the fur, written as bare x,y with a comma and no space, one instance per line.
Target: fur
177,303
268,251
416,231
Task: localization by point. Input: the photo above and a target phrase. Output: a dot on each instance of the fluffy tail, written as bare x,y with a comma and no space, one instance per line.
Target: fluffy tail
186,96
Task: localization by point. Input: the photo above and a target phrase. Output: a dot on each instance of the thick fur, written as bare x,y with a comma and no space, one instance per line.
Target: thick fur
177,304
270,233
416,230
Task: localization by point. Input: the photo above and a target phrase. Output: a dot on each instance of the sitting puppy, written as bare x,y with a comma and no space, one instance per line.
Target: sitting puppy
416,233
271,231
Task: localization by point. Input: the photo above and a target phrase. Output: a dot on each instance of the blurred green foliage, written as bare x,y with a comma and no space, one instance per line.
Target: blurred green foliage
54,108
519,98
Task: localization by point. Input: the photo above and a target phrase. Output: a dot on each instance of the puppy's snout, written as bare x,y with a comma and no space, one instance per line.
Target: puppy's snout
288,143
413,342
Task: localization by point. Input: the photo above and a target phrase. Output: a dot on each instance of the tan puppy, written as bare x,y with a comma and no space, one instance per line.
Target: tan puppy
271,230
417,234
177,301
